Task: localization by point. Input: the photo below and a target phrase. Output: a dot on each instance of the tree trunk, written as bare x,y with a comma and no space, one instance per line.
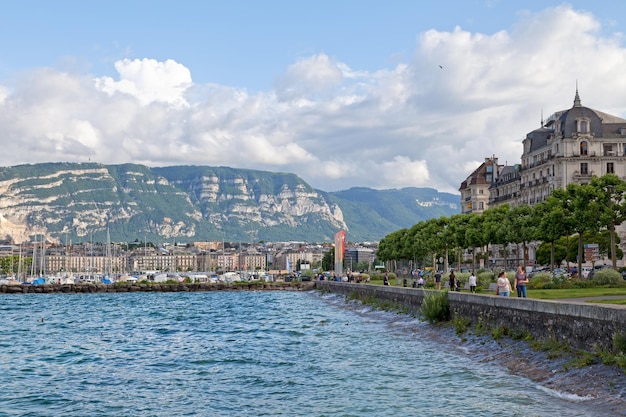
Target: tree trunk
580,252
613,259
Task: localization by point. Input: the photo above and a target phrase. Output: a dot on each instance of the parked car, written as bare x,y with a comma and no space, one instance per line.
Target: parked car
558,272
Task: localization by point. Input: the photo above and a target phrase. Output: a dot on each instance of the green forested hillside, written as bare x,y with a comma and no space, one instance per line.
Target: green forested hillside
81,201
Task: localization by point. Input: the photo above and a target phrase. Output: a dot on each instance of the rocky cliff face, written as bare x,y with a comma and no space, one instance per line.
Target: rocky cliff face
81,201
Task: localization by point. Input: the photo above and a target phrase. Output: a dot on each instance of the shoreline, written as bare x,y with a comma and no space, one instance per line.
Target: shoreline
90,288
553,370
605,384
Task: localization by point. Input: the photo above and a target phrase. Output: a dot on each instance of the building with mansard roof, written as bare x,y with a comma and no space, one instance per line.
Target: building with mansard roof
572,146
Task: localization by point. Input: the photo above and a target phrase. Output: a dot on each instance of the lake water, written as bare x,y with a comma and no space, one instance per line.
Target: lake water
267,353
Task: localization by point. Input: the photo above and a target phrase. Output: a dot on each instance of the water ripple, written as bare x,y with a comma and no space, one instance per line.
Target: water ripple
241,353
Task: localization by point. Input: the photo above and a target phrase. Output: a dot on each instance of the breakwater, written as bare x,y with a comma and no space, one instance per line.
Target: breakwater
583,326
150,287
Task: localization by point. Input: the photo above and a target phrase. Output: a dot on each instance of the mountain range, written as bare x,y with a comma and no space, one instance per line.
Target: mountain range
130,202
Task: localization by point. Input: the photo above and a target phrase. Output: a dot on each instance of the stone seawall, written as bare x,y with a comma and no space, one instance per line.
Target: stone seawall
580,325
163,287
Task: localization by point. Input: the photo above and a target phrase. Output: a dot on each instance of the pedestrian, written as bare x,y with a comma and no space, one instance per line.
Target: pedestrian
520,282
504,286
420,282
438,280
386,279
452,281
472,282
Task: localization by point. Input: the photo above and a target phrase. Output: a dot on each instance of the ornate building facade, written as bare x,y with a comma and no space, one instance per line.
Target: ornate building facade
571,146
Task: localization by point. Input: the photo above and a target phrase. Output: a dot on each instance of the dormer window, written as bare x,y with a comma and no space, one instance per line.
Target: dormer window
584,148
582,126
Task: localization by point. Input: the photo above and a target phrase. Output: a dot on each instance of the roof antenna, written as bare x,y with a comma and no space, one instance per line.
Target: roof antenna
541,118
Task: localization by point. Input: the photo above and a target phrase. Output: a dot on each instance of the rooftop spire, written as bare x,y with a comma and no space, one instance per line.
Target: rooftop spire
577,97
541,124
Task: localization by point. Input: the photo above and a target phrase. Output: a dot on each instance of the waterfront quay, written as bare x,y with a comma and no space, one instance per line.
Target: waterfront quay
579,325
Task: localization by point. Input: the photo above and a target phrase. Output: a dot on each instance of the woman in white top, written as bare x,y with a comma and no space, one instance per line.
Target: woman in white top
472,282
504,285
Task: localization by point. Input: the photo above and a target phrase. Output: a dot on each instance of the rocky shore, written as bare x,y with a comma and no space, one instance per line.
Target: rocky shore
153,287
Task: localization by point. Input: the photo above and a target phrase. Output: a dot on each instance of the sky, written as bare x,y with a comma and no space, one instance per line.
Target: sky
343,93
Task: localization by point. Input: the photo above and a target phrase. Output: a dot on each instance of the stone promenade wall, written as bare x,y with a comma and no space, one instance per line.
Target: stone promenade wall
579,325
142,287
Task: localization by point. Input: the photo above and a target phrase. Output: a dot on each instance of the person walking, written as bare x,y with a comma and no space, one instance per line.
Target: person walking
386,279
452,281
504,285
438,280
520,282
472,282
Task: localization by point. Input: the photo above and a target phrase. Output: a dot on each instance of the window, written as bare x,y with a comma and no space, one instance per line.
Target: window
609,168
584,169
480,191
584,126
481,206
584,148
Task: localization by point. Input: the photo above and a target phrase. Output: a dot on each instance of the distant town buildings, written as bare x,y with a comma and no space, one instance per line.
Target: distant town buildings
286,257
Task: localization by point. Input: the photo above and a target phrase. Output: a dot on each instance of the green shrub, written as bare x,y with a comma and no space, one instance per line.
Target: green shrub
607,277
499,331
619,342
461,324
486,277
436,306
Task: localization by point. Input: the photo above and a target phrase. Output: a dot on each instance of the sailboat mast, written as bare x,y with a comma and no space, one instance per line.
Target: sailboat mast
33,262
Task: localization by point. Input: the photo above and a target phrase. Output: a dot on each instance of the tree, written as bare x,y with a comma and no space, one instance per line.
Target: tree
581,202
522,228
494,226
328,260
474,236
553,223
459,223
611,201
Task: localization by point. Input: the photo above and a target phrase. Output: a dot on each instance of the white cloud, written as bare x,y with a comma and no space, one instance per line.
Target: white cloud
415,124
149,80
403,172
309,77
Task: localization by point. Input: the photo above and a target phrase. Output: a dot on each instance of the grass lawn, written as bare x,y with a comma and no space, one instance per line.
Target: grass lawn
551,294
618,302
575,293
